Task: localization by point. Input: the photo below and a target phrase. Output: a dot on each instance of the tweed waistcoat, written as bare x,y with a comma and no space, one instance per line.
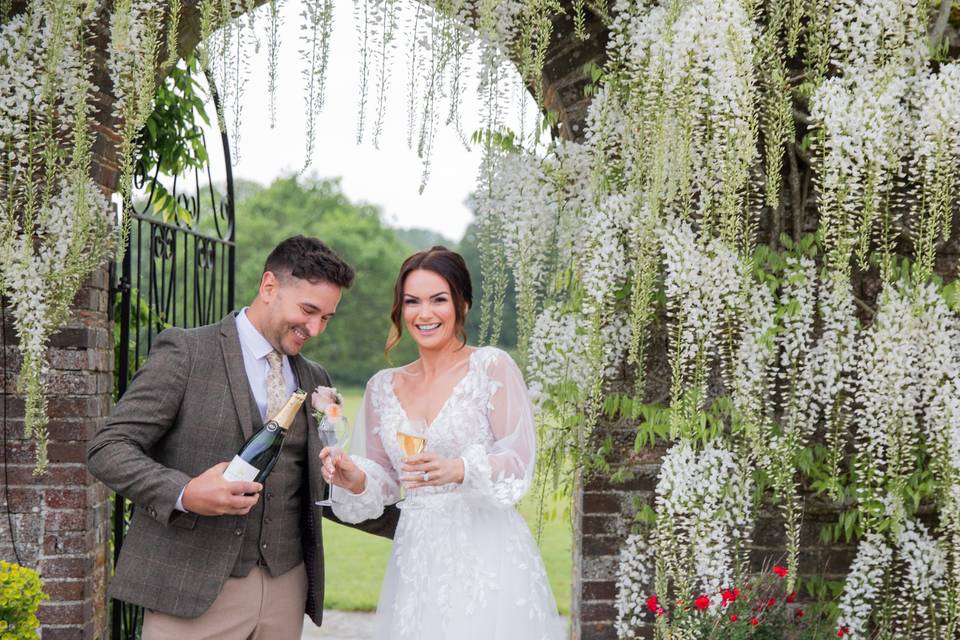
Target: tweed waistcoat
272,533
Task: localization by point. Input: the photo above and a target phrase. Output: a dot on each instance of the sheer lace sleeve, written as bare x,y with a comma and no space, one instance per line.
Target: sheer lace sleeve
501,472
382,486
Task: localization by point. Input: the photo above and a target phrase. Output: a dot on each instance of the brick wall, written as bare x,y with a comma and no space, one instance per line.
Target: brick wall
61,520
603,512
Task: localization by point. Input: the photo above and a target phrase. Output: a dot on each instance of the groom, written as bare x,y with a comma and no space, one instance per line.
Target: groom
206,557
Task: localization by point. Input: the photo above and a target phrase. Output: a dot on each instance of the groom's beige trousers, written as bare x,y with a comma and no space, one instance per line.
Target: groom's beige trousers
255,607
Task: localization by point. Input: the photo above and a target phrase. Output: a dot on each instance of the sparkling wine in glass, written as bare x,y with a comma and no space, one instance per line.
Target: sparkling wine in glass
333,430
413,440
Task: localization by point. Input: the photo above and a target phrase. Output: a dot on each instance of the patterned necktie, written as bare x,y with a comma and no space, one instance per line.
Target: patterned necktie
276,388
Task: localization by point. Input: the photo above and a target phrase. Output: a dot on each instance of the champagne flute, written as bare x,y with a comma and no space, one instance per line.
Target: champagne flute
413,440
334,433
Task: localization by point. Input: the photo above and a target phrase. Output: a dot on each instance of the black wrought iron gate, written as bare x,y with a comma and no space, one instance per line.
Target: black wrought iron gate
175,272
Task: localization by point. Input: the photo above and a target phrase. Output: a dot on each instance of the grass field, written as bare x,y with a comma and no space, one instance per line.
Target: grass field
355,561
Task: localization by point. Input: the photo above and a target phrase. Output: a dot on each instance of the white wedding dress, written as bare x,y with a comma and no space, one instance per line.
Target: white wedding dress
464,565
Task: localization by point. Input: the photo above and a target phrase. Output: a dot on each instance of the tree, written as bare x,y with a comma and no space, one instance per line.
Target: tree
419,239
352,347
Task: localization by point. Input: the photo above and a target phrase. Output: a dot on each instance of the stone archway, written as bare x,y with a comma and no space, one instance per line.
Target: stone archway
59,523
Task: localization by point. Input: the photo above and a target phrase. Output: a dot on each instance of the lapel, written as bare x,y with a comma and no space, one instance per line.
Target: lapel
308,384
236,373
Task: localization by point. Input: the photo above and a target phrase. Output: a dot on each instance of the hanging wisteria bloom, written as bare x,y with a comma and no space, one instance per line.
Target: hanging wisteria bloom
521,203
865,131
753,373
695,100
704,518
560,350
41,268
702,284
888,394
936,166
908,353
924,565
863,586
872,34
634,580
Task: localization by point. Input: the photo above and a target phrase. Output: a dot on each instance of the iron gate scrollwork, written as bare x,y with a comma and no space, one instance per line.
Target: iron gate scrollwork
175,272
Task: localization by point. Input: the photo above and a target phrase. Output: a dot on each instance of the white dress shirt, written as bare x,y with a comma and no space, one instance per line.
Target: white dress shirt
255,349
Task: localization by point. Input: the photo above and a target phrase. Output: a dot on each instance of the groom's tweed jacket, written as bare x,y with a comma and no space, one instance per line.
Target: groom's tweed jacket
188,408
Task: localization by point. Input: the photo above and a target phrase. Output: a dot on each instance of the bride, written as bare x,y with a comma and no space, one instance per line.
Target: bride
464,564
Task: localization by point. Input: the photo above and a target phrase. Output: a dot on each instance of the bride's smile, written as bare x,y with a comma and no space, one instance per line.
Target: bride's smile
428,310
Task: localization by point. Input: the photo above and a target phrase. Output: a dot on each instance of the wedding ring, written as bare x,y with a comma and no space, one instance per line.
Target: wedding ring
426,476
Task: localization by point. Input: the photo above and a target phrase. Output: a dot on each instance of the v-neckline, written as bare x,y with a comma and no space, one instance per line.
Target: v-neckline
443,407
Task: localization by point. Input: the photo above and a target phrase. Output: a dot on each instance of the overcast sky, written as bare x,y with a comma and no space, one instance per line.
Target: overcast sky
389,176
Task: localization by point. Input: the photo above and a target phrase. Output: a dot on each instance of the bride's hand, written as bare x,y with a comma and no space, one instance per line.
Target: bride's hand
431,470
340,470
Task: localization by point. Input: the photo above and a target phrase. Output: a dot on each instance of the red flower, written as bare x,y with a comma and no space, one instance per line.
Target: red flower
659,611
652,603
702,602
754,621
780,571
771,602
842,631
733,617
792,597
798,613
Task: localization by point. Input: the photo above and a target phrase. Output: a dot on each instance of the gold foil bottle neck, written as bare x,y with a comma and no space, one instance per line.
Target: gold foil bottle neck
286,415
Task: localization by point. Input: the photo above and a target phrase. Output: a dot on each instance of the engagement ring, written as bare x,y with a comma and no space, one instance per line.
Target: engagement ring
426,476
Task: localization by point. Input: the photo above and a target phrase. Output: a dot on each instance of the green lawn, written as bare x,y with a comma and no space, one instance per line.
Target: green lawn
355,561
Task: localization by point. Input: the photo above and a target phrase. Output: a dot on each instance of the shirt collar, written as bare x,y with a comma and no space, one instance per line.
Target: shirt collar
251,338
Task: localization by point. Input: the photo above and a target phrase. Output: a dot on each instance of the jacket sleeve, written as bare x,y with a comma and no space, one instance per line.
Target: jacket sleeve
118,454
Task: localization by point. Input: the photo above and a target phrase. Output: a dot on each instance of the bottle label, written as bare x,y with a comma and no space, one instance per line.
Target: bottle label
240,470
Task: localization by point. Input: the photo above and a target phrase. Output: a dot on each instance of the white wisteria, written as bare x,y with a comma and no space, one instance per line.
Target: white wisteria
693,106
937,161
864,134
702,287
872,34
863,589
53,230
634,580
753,371
905,565
703,500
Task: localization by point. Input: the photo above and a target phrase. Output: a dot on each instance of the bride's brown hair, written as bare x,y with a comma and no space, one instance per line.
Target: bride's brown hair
450,266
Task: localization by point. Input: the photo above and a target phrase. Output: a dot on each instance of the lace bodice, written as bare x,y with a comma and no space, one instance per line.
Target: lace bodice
487,420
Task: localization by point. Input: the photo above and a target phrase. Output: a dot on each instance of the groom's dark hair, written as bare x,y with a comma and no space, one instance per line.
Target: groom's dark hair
309,259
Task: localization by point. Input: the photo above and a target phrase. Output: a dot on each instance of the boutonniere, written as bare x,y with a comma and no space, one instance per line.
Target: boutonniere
326,402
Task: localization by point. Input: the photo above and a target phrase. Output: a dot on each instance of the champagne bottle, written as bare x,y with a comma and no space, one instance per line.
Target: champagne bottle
259,454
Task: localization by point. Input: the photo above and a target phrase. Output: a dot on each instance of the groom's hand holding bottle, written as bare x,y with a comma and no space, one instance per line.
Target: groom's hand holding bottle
210,494
232,488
